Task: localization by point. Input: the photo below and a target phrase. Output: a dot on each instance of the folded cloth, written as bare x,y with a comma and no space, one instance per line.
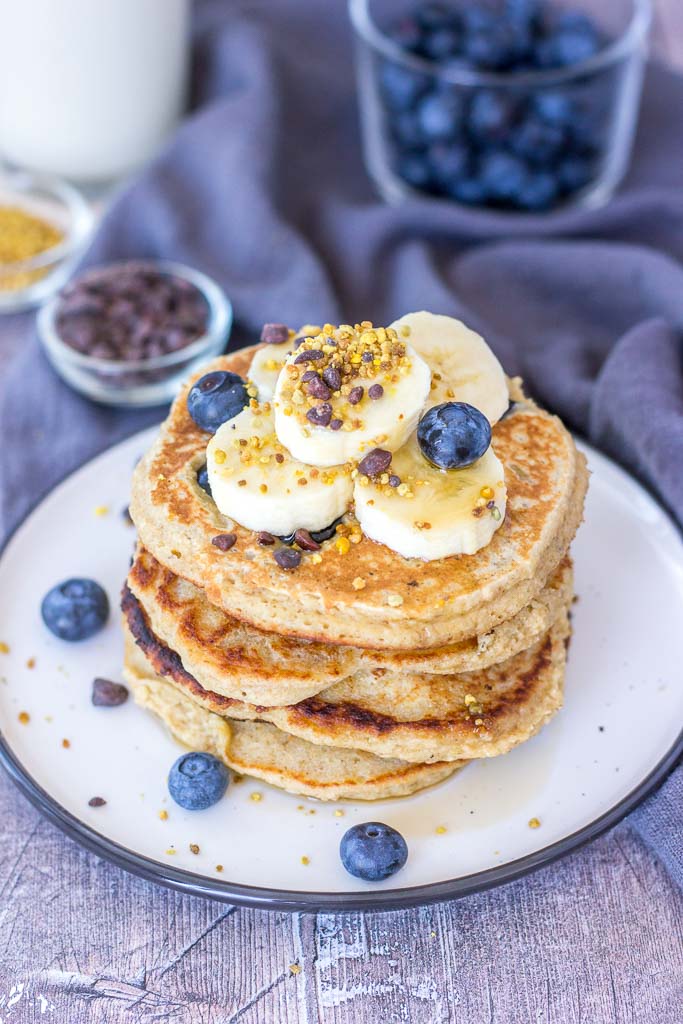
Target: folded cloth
263,187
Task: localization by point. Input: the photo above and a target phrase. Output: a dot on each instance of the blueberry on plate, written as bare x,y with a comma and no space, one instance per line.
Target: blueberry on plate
203,480
197,781
373,851
215,398
453,435
75,609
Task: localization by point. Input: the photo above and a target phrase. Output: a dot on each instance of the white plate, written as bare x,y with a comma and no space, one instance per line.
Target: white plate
615,738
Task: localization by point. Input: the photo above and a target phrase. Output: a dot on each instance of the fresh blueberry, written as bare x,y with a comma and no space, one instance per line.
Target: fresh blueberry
536,140
448,163
197,781
203,480
468,190
215,398
453,435
489,41
75,609
407,34
568,45
502,175
554,107
434,16
414,170
406,130
441,44
400,86
490,115
538,192
373,851
439,115
574,173
318,535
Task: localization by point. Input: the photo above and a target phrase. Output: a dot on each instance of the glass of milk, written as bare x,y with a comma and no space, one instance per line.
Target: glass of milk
90,89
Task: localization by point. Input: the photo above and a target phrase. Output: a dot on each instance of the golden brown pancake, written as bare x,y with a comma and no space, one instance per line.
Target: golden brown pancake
406,603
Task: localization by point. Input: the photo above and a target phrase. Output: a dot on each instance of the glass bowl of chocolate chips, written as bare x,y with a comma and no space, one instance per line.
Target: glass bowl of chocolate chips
129,333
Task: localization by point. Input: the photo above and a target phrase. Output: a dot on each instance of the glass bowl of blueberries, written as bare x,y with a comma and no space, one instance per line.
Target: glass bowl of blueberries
129,333
510,105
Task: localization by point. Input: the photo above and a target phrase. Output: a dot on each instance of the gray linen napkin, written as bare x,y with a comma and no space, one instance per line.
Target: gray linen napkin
264,189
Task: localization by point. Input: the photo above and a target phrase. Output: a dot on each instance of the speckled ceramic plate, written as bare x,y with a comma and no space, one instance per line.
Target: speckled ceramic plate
615,739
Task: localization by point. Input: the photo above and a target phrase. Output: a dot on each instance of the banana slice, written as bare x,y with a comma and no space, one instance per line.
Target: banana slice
432,513
464,369
348,390
256,482
269,360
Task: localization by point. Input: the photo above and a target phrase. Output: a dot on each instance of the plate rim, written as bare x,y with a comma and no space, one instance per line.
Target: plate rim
293,900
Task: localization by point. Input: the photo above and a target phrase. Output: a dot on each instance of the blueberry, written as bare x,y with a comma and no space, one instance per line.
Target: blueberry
407,34
453,435
554,107
468,190
400,86
75,609
406,130
568,45
489,41
502,174
538,192
448,163
490,115
433,16
215,398
574,173
197,781
373,851
536,140
440,45
203,480
414,170
439,115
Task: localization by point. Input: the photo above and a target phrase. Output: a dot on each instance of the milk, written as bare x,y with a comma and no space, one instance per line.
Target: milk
89,89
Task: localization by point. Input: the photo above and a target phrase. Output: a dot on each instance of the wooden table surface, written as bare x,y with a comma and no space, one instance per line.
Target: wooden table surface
82,941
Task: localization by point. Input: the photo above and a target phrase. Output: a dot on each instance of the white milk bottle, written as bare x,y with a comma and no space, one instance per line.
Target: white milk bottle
89,89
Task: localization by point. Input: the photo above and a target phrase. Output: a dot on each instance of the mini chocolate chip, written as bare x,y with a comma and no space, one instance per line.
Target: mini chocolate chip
106,694
317,389
224,541
320,415
394,480
375,462
96,801
375,392
355,395
305,541
288,558
309,375
274,334
265,538
300,341
332,377
311,355
336,424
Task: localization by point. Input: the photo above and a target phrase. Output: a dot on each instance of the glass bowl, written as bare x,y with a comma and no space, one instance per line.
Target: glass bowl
145,382
519,140
26,283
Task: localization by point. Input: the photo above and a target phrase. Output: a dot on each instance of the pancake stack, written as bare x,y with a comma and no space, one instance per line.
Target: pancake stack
360,674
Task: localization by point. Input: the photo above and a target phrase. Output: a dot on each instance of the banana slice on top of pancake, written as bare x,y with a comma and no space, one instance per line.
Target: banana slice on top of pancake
464,369
347,390
255,481
269,360
443,493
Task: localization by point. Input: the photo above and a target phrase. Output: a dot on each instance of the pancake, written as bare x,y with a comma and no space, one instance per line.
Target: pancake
262,751
236,660
405,715
406,603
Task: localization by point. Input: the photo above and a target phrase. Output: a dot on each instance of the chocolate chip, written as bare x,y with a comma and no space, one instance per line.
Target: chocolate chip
106,694
355,395
274,334
317,389
96,801
394,480
320,415
265,538
336,424
224,541
288,558
309,375
332,377
311,355
375,462
375,392
305,541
